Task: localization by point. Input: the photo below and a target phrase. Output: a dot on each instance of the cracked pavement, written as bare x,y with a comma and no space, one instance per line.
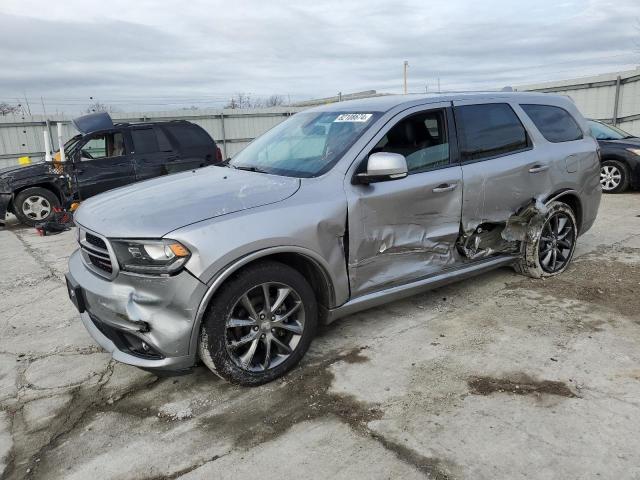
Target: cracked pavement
499,376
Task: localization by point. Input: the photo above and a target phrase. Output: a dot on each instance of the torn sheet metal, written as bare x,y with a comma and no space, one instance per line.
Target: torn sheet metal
489,239
526,223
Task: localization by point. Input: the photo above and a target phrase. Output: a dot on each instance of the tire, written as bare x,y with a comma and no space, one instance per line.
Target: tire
614,176
230,331
558,233
35,205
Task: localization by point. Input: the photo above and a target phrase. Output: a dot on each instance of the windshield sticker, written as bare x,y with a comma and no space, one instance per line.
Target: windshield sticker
353,117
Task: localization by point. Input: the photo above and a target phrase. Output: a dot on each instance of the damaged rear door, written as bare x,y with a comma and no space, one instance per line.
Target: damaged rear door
406,229
502,170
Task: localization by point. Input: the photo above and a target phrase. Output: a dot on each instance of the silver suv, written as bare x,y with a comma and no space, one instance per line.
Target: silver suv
338,209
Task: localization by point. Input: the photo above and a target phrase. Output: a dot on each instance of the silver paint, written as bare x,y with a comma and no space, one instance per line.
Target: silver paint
369,243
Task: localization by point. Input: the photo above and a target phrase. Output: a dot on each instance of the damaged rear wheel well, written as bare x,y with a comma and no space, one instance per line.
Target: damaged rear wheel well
574,204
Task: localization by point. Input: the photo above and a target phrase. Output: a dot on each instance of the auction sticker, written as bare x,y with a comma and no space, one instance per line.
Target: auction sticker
353,117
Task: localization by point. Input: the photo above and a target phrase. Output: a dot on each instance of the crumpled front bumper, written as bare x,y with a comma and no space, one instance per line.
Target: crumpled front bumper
121,313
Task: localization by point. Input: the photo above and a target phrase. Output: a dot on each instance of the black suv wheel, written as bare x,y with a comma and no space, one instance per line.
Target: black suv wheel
35,205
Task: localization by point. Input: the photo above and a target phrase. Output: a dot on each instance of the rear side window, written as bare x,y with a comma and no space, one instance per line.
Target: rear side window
144,140
555,123
189,135
489,130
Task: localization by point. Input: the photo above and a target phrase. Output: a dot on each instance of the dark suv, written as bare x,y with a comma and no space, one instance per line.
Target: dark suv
102,157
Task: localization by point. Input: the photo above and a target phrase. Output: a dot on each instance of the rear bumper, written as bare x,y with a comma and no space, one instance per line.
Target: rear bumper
142,321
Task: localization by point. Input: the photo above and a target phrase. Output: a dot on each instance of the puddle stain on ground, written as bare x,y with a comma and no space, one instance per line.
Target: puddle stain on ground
305,395
520,385
261,414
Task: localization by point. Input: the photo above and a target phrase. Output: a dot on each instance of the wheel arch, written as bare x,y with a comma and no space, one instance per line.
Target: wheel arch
308,263
46,185
571,198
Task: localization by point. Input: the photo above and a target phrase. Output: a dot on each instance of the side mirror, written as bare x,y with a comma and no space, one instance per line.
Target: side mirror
382,167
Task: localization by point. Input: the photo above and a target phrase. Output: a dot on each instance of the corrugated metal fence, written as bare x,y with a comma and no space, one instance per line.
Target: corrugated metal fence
232,129
613,97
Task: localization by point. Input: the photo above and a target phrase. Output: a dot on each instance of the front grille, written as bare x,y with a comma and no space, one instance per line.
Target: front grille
95,241
95,252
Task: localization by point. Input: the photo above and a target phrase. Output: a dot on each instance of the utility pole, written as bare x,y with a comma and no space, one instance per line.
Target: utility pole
438,84
406,66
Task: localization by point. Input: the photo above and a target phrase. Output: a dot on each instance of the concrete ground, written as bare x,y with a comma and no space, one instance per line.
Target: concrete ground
496,377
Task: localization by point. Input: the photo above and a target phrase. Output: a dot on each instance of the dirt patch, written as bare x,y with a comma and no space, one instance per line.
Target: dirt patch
520,385
595,279
356,356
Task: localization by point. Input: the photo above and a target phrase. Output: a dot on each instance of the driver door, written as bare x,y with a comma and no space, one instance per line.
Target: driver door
103,163
404,230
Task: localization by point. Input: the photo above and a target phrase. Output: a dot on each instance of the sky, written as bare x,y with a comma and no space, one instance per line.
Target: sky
164,55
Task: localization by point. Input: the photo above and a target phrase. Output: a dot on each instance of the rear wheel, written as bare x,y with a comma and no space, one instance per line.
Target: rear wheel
259,325
614,176
550,250
35,205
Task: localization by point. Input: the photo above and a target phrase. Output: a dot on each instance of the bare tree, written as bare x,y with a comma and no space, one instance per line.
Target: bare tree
100,107
244,100
274,101
8,109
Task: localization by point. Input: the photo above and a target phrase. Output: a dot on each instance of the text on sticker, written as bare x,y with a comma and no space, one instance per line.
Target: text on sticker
353,117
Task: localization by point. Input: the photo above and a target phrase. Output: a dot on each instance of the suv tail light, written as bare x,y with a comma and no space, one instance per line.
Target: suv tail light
218,154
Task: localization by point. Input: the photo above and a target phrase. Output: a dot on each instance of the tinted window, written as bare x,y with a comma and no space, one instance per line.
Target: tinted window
163,142
489,130
144,140
555,123
422,139
189,135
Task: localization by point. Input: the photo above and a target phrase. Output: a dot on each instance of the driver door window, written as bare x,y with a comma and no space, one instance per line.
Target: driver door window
421,138
103,146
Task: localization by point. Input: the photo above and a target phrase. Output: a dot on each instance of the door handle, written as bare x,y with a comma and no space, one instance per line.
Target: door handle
445,187
538,168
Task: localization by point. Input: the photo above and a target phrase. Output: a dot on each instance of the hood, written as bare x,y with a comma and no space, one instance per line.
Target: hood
153,208
19,172
93,122
632,142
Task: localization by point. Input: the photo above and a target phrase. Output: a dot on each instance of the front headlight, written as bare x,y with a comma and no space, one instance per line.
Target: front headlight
152,257
635,151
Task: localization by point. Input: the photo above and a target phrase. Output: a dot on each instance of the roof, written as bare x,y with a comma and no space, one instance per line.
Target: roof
388,102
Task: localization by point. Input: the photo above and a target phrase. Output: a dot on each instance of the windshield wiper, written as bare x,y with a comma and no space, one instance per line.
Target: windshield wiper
248,169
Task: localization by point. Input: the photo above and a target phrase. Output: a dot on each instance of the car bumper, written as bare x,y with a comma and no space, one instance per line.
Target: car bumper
142,321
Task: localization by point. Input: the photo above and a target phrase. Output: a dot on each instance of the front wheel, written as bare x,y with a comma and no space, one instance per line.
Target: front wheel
614,176
550,249
259,325
35,205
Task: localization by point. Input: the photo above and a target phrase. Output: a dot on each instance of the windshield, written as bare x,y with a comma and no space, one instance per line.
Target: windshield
306,145
71,144
607,132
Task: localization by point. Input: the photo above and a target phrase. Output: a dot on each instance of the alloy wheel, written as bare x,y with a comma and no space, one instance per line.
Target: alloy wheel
556,242
264,326
36,207
610,177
